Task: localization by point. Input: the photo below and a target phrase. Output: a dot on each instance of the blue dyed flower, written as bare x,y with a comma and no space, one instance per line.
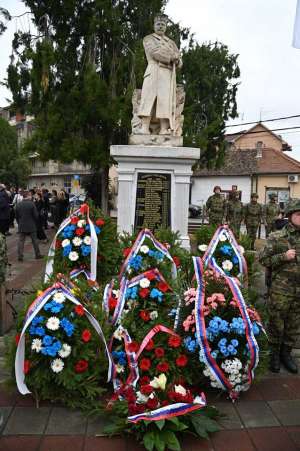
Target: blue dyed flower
37,320
155,293
40,331
222,342
190,344
234,343
87,228
135,262
256,329
67,250
32,330
235,260
214,354
86,250
226,249
172,312
67,326
230,349
97,230
47,340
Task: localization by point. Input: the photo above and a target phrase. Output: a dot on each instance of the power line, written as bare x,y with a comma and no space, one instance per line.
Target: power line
265,131
267,120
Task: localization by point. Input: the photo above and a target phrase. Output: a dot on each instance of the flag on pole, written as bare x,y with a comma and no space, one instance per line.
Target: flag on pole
296,38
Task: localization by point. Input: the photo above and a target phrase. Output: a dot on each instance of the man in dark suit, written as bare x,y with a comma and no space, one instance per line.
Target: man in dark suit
27,216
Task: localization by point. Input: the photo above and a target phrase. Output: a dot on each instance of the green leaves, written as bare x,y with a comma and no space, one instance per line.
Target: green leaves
203,425
161,440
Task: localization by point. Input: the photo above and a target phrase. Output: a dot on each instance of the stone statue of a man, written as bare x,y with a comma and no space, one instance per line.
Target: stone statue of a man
158,98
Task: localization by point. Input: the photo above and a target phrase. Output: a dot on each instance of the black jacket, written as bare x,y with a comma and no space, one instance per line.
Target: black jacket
26,216
4,205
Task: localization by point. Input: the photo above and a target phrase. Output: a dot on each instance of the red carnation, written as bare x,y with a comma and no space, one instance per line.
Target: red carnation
152,403
151,275
145,364
81,366
174,341
17,339
100,222
126,251
79,231
133,346
163,367
162,286
112,303
176,261
26,366
182,360
86,335
58,244
144,380
159,352
146,389
145,315
84,208
79,310
144,292
74,220
150,345
164,403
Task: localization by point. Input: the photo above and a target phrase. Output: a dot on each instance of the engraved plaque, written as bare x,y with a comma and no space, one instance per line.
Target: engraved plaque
153,201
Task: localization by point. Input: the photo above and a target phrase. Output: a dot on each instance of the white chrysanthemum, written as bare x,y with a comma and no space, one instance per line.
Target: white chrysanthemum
144,283
144,249
36,345
57,365
118,334
153,315
81,223
65,351
180,389
77,241
53,323
223,237
202,247
87,240
73,256
242,249
65,242
159,382
140,398
119,368
227,265
59,297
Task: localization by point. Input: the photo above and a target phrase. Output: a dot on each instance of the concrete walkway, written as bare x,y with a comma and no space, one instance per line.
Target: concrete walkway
267,418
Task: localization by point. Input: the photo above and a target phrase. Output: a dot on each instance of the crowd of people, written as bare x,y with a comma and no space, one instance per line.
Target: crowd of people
233,212
32,210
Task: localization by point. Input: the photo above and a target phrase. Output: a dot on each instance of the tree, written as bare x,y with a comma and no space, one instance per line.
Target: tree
7,17
14,168
77,77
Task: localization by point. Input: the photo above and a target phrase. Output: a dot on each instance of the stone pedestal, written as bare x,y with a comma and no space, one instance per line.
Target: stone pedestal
176,161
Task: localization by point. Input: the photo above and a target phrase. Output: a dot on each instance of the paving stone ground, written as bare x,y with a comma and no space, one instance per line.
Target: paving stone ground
267,418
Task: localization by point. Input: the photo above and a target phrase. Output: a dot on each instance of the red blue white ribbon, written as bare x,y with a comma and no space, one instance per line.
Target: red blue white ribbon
170,411
146,233
33,310
76,272
121,301
84,209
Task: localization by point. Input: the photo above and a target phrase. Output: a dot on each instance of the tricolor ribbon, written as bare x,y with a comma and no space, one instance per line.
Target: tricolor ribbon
146,233
170,411
223,230
84,209
76,272
32,311
121,301
201,329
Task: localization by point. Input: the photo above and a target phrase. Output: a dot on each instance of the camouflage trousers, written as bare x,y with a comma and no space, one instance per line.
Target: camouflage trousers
284,316
252,232
269,228
215,219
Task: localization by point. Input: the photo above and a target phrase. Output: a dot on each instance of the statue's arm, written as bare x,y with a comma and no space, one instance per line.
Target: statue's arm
156,51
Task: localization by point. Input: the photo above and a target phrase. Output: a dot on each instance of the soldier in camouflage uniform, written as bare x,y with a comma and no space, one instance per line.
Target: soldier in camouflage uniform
253,213
215,207
234,213
282,256
272,211
3,258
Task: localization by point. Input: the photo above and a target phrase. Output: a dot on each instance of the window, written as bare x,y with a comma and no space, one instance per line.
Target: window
68,184
283,195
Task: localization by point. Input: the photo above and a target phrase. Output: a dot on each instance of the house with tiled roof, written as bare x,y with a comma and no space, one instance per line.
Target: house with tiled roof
257,161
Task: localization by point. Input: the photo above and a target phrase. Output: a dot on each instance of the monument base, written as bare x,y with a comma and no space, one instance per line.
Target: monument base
156,140
154,187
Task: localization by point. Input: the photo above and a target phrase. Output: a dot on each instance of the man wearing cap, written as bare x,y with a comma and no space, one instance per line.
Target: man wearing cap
272,212
253,213
158,98
215,207
282,255
234,212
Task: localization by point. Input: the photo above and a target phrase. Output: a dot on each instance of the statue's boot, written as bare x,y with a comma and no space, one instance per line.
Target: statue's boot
164,127
287,359
274,361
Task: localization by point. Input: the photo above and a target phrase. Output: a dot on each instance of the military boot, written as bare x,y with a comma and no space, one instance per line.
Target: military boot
287,359
274,361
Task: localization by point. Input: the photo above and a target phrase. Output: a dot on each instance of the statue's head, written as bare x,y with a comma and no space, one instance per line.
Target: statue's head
160,24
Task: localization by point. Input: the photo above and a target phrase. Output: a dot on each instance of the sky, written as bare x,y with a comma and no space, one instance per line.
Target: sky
260,32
